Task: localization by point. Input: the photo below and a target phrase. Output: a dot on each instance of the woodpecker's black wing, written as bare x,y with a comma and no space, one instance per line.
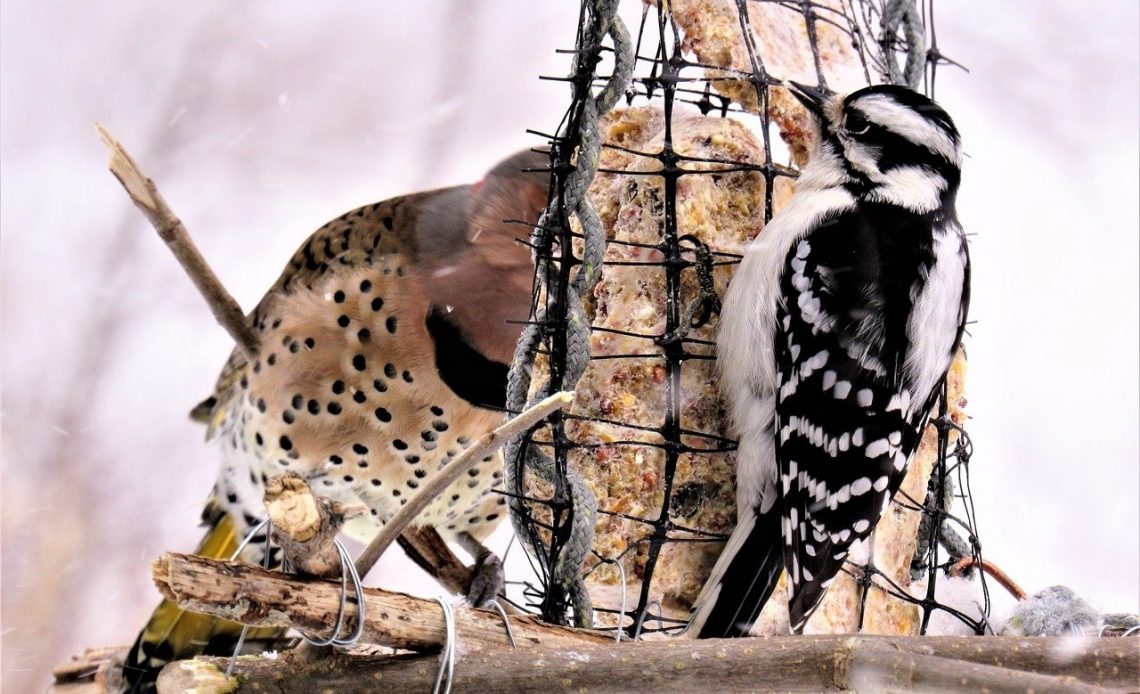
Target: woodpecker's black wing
846,425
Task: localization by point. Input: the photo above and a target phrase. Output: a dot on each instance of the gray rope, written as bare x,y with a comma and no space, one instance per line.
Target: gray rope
904,14
567,571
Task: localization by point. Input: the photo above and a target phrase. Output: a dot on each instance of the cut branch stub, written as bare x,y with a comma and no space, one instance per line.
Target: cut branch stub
305,525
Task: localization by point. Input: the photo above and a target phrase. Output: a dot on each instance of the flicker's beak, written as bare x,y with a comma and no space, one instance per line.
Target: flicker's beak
813,98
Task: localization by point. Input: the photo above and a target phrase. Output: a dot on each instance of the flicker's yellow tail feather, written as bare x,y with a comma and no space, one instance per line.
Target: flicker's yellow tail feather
174,634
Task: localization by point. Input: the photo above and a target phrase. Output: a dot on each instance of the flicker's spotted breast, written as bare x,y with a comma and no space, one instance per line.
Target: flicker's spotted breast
384,347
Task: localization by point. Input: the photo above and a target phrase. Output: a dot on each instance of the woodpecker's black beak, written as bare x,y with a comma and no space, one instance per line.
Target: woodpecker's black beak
812,98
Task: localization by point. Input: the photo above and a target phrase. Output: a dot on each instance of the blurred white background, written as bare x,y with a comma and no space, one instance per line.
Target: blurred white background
262,121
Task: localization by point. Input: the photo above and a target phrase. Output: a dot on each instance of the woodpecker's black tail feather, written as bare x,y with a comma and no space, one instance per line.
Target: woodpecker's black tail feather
742,580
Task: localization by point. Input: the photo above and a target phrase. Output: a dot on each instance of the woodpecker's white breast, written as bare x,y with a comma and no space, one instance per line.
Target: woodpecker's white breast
746,336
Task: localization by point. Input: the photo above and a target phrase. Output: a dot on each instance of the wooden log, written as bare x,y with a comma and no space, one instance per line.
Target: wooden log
251,595
782,663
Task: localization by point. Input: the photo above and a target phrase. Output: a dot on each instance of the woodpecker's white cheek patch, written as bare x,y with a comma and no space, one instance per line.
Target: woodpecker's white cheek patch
911,187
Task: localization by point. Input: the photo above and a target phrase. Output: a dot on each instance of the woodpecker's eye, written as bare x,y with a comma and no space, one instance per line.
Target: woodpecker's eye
856,124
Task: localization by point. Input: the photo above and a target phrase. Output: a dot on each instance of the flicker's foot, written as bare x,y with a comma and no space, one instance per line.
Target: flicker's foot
487,580
487,576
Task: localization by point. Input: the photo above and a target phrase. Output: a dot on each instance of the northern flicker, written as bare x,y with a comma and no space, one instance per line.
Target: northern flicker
384,348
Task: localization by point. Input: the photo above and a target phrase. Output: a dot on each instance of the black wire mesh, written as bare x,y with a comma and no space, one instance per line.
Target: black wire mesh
669,76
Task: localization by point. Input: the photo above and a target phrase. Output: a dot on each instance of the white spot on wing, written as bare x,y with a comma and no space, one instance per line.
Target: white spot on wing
877,448
844,441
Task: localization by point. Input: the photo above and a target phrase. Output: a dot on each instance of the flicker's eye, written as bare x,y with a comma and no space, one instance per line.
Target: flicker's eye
856,124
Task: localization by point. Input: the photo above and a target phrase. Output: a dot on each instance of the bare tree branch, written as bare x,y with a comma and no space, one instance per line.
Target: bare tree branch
144,193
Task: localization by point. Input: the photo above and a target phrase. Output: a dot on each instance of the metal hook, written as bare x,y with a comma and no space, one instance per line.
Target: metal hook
660,619
506,621
266,560
347,572
448,654
621,573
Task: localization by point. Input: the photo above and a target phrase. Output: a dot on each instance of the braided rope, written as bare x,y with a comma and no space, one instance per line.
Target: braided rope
905,14
520,455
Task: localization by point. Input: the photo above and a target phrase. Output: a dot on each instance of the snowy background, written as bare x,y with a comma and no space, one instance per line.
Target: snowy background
262,121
